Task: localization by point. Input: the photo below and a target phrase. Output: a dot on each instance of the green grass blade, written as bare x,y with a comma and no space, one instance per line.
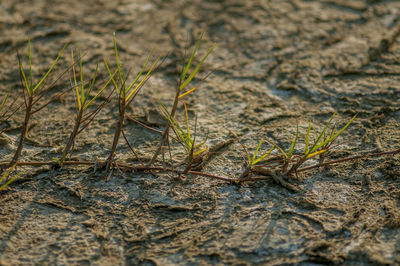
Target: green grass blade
141,71
283,152
200,151
143,79
81,74
25,80
187,121
188,92
121,78
91,86
316,153
112,77
78,98
265,155
178,130
10,181
344,128
6,174
293,143
191,76
4,101
334,136
100,91
256,152
172,121
322,144
30,63
50,69
307,138
316,144
333,132
184,72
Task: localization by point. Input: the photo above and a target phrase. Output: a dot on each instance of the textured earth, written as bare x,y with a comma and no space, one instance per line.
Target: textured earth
277,63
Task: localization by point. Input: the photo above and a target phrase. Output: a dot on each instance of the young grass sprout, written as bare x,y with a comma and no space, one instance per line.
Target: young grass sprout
185,138
83,99
279,164
126,94
184,81
285,166
30,98
320,147
253,161
5,175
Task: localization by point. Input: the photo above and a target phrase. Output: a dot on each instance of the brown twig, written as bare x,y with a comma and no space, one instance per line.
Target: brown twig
166,130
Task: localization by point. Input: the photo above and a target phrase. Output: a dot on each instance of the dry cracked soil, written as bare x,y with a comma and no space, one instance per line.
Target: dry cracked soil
276,63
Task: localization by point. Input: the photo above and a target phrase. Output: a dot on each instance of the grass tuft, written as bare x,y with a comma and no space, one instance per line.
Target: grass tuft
31,100
282,166
184,81
126,94
83,99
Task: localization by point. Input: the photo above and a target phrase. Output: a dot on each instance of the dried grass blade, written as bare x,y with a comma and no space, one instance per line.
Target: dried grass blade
186,93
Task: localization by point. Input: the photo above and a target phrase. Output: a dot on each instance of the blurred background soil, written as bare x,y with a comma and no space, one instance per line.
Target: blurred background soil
277,63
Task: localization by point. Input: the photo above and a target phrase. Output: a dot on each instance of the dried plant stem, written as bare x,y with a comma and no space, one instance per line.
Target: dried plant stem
189,161
295,167
24,128
123,166
73,135
118,130
264,172
166,130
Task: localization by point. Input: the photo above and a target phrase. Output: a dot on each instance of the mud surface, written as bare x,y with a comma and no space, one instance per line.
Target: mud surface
276,63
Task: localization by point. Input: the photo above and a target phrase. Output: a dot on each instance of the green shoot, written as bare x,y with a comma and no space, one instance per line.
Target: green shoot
31,88
322,142
81,92
184,81
126,94
29,85
3,103
5,175
254,160
84,100
183,136
288,155
293,143
320,146
306,149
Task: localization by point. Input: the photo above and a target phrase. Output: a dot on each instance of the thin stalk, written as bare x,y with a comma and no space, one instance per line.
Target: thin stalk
166,130
23,131
72,137
189,161
130,147
174,170
119,125
126,166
